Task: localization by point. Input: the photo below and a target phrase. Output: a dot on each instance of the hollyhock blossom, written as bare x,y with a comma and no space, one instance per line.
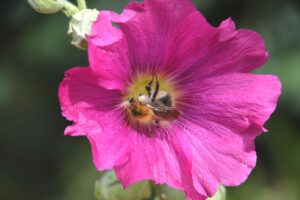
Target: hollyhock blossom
168,97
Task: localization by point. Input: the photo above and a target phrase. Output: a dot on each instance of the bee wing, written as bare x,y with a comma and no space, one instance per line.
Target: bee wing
162,109
165,112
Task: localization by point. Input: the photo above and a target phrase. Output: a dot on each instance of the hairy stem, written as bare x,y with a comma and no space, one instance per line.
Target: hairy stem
69,9
81,4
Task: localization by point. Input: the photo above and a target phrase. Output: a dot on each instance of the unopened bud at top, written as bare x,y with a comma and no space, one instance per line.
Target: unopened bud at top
47,6
81,25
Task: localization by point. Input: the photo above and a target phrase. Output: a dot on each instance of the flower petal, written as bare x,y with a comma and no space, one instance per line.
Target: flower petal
94,112
174,38
235,100
156,158
107,49
158,27
221,117
225,51
214,156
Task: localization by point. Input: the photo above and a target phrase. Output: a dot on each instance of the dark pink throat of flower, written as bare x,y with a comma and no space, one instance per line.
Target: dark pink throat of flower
150,101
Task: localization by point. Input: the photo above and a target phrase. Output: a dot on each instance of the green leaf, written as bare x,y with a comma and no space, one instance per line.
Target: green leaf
109,188
169,193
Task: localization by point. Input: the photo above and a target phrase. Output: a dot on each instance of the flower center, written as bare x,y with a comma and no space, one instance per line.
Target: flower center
151,100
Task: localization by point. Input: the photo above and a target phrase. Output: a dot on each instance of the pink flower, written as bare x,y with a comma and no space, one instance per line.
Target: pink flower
194,127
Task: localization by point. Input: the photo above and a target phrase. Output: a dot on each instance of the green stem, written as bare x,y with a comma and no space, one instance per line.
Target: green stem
81,4
69,9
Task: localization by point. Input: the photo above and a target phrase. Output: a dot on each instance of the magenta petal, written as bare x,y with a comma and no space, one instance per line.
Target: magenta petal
93,111
109,140
227,30
108,54
214,155
232,51
157,27
174,38
239,100
221,118
242,53
220,51
158,159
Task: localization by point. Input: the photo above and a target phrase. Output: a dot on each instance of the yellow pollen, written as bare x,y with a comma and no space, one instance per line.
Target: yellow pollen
138,85
140,109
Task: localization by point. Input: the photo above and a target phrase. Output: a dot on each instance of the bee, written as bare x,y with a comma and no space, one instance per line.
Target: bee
155,106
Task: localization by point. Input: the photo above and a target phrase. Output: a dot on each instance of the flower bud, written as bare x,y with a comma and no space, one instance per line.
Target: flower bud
81,25
47,6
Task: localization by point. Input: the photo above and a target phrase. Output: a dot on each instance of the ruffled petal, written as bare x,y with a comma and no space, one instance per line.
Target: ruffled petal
161,31
107,50
221,117
172,37
94,112
213,156
238,100
169,37
225,50
157,158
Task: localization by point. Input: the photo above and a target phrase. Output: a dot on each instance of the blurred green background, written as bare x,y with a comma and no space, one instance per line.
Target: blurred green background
38,163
